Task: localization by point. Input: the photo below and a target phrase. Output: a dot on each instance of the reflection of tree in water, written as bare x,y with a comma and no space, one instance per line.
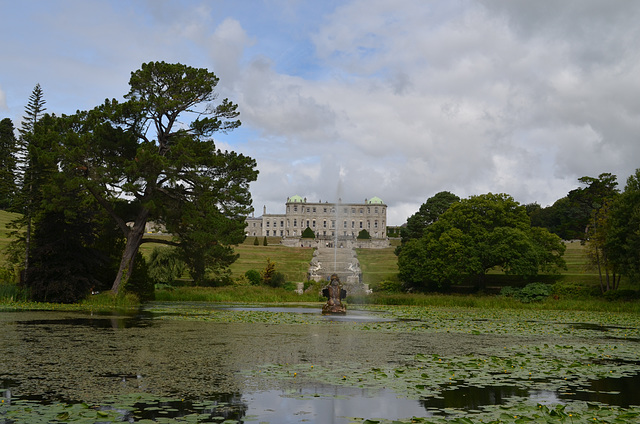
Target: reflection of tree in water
473,397
225,405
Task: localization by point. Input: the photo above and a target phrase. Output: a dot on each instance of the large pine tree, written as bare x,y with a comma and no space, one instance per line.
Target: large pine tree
8,147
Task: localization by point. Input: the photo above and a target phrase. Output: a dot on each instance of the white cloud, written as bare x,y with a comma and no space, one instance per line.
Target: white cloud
3,99
366,97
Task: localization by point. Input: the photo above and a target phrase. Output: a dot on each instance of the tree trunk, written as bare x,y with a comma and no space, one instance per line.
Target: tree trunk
134,240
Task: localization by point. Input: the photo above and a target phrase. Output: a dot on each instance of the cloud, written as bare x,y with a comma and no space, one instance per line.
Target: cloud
3,99
367,98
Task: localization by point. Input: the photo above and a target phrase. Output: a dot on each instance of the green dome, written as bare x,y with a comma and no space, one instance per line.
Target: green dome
376,200
295,199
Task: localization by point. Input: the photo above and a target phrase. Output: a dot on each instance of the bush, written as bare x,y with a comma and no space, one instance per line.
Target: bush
389,286
253,276
574,290
308,233
256,242
533,292
615,295
165,265
364,235
278,280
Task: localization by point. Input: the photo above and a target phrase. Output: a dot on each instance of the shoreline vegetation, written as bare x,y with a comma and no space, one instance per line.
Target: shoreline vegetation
279,296
576,288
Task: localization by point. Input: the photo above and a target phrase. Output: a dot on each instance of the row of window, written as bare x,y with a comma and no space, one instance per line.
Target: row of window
345,211
280,233
312,223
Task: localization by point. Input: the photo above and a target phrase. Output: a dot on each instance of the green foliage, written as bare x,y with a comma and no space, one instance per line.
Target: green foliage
268,272
623,237
533,292
622,295
308,233
165,265
8,165
364,235
256,242
264,241
428,213
390,286
278,280
474,236
179,179
64,265
253,276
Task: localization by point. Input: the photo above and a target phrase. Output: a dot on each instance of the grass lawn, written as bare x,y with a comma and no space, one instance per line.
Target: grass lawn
376,264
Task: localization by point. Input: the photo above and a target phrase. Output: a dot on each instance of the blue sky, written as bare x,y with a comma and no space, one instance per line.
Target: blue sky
354,99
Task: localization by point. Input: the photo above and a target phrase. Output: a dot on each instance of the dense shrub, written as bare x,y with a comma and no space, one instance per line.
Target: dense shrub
165,265
533,292
253,276
278,280
615,295
389,286
308,233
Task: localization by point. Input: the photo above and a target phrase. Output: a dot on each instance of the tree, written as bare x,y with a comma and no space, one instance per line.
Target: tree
8,170
428,213
29,173
308,233
474,236
171,172
623,237
363,235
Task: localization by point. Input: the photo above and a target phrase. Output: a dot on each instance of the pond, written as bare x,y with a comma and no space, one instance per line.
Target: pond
195,362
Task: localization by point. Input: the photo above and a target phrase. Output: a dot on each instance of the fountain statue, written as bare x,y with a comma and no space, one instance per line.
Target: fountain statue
334,294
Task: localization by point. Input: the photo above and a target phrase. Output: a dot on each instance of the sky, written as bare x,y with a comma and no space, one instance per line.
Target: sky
399,99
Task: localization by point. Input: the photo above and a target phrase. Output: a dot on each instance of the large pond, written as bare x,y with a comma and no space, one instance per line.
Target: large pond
215,363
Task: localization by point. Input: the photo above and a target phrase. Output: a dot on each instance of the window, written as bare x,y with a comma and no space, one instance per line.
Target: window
308,210
375,224
324,224
295,224
313,223
267,232
353,210
333,223
353,224
345,211
361,211
307,222
344,225
376,209
314,209
295,209
361,224
325,210
281,224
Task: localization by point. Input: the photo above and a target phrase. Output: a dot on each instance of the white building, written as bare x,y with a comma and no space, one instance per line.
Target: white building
329,221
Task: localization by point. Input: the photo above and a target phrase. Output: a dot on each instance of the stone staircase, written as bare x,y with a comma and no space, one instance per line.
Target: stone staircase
341,261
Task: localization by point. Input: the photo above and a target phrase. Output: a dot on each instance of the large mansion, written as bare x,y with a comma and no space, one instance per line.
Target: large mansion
326,220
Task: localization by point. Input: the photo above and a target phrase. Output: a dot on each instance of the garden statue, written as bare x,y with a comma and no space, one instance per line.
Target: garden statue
334,294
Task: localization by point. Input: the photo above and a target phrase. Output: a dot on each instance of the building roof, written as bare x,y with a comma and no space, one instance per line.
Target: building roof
295,199
376,200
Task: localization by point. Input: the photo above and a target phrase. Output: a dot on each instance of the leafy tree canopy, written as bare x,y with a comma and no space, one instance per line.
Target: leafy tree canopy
428,214
474,236
155,150
623,237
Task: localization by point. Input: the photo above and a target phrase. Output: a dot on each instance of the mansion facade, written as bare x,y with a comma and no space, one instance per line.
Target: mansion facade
327,220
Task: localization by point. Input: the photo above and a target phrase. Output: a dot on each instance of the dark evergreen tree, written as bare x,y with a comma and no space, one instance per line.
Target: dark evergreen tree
177,177
8,170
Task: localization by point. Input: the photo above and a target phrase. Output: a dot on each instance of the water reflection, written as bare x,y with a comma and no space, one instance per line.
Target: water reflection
74,357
